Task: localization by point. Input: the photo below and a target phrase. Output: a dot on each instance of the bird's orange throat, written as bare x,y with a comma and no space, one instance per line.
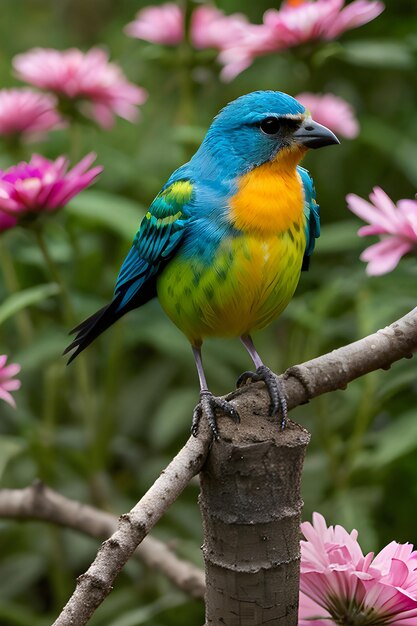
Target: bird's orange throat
270,198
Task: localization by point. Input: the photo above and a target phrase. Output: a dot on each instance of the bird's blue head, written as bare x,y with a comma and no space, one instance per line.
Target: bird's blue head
255,128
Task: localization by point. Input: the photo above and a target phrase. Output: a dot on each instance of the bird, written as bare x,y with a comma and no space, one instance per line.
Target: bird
223,244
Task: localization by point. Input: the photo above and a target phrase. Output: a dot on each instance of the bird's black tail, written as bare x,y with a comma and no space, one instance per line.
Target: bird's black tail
93,326
97,323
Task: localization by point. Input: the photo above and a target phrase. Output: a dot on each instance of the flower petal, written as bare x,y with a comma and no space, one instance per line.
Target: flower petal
368,212
385,255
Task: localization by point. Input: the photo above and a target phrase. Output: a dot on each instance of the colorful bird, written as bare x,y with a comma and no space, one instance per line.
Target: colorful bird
223,243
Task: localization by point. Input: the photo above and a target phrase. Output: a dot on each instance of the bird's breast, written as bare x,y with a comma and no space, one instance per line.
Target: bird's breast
241,281
269,200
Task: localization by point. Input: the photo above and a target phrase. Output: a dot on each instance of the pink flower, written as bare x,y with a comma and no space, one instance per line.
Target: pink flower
331,111
39,186
256,41
211,28
26,112
232,34
312,614
295,23
340,585
329,557
355,14
7,382
99,87
239,41
162,24
298,22
395,224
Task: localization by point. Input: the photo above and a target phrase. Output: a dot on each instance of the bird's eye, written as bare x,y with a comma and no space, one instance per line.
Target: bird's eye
270,125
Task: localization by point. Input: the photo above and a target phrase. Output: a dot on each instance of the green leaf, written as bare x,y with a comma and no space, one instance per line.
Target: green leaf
25,298
18,572
340,237
395,144
9,447
142,615
60,251
403,376
398,439
328,51
14,614
378,53
46,346
354,510
173,416
117,213
192,135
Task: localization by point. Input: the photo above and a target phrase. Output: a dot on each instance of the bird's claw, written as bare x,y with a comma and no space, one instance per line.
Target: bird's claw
247,377
274,387
209,405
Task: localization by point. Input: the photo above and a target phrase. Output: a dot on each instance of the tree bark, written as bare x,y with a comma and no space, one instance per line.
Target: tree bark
251,506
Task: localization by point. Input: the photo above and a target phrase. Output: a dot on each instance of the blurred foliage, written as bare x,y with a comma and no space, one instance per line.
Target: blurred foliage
103,429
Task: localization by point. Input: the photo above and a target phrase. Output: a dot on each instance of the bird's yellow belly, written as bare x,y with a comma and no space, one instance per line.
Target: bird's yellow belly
249,283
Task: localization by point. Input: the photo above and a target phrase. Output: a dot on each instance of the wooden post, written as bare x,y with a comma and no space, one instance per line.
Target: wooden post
251,507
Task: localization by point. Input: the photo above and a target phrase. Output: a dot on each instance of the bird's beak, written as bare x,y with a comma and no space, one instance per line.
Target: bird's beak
311,134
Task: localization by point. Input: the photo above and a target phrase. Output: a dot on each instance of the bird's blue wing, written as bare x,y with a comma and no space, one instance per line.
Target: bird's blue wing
155,242
158,237
312,214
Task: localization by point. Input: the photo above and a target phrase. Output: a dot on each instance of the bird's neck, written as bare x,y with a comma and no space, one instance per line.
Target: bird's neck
270,198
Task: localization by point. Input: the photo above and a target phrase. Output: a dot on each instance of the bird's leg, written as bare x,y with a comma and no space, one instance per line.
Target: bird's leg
209,403
272,382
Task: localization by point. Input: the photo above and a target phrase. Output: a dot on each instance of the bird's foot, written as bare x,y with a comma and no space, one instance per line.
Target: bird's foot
209,405
274,387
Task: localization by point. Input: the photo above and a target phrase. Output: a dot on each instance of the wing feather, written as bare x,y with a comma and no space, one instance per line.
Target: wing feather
312,214
160,233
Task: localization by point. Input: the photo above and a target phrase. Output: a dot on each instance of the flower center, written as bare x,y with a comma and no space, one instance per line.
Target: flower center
347,612
294,3
29,184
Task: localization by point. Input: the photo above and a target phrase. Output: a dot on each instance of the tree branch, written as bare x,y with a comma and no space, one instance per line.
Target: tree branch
39,502
303,382
336,369
96,583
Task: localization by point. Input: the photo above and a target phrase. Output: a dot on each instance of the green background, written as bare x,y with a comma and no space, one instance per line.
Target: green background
102,430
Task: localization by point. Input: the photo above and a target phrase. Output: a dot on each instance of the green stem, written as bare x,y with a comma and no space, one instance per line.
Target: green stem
363,418
327,438
185,52
89,408
14,147
22,318
185,113
75,136
46,456
66,304
368,402
59,577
